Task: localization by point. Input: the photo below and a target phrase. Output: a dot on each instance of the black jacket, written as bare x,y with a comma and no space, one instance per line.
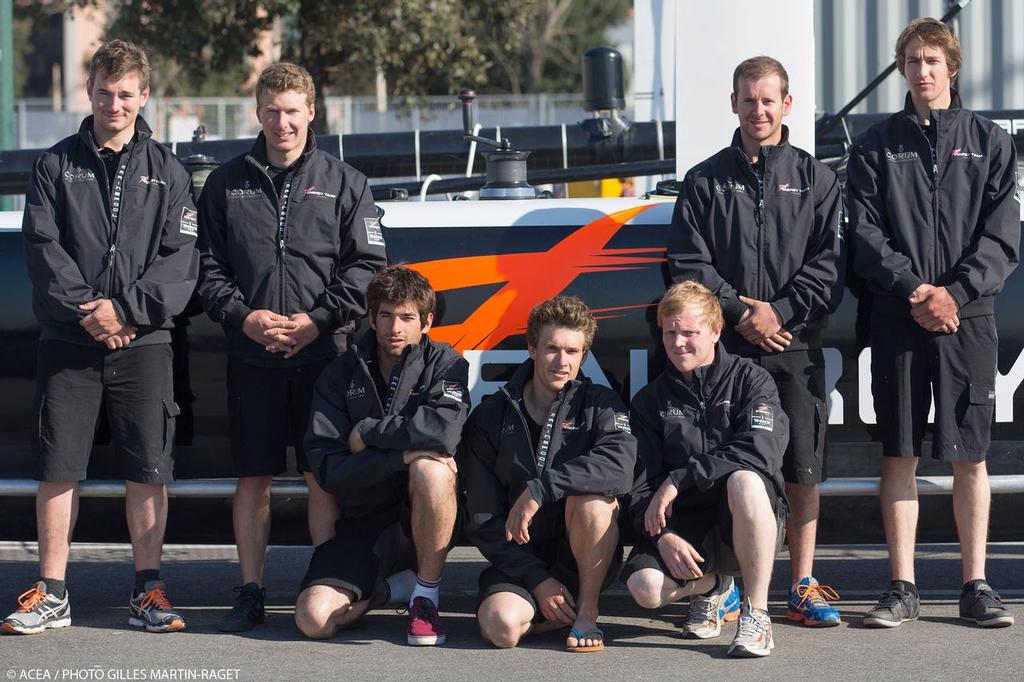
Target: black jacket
586,450
313,251
728,420
429,401
134,245
947,216
781,243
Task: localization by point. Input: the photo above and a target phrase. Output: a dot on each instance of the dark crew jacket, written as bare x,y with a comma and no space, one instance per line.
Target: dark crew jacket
943,211
424,408
727,418
130,238
312,249
777,238
585,449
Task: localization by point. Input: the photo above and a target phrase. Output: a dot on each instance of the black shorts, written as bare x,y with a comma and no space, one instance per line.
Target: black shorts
363,551
268,410
556,553
910,364
136,388
800,377
703,519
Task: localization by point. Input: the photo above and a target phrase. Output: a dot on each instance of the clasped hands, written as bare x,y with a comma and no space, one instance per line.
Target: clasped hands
278,333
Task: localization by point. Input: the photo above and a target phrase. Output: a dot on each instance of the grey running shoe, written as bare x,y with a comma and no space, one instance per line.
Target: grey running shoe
894,608
707,613
153,611
248,611
983,606
754,636
38,611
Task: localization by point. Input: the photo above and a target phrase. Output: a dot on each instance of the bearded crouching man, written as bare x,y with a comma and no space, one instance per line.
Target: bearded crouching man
543,461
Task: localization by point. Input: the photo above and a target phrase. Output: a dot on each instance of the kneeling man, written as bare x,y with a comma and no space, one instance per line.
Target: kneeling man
387,417
543,461
709,491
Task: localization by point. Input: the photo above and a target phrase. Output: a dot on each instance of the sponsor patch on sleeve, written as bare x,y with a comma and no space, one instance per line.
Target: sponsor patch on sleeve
374,235
762,416
452,389
189,223
622,422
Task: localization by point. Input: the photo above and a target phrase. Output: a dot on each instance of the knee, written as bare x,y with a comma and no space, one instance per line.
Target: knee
646,586
431,478
314,612
594,509
746,492
970,471
254,486
499,628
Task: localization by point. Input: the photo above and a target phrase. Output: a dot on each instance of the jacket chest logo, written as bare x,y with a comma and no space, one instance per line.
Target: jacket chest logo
79,175
730,186
508,429
961,153
355,392
149,180
569,425
899,155
312,191
791,190
246,191
672,412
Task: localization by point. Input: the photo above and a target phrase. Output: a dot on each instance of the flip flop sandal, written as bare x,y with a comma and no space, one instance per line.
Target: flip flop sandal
589,634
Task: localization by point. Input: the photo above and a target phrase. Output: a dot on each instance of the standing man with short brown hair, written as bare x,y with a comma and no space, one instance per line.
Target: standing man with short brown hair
290,240
109,232
935,212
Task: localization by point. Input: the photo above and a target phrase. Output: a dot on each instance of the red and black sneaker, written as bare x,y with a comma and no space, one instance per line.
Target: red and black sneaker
425,627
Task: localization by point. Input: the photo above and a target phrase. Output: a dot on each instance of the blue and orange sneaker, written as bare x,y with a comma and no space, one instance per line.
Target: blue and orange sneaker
708,612
808,604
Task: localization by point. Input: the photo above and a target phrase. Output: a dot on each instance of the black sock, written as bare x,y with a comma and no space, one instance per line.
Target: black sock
145,576
904,587
718,583
55,587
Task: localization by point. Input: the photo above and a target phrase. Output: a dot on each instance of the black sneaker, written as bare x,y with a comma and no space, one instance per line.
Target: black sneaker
981,604
248,611
894,608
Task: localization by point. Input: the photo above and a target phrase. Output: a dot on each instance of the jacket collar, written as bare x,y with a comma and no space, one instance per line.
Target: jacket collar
366,348
142,131
910,111
515,386
258,151
708,375
767,151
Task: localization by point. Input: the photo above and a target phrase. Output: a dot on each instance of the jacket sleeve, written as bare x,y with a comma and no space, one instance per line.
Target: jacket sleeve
874,257
437,422
487,511
351,477
689,257
56,278
995,249
760,436
166,285
816,288
605,468
218,289
362,254
650,469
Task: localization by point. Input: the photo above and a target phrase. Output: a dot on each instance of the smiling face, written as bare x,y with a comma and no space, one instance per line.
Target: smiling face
398,325
285,117
760,106
557,356
688,339
927,74
116,101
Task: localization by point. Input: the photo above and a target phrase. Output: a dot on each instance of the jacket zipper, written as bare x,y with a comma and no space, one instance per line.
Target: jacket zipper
115,211
759,210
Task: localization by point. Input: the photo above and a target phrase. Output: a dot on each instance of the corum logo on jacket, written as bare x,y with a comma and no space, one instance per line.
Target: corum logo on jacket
79,175
671,412
355,391
730,185
900,155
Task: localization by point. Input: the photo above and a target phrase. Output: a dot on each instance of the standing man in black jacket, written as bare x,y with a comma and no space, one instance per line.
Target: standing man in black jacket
109,232
935,212
760,224
387,418
290,240
709,498
543,461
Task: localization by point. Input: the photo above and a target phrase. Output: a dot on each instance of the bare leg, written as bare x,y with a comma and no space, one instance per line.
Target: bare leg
971,498
251,517
322,610
432,492
146,511
754,533
899,514
593,536
56,512
802,529
653,589
504,619
321,511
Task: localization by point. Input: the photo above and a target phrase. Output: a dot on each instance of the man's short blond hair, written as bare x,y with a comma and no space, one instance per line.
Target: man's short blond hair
689,294
932,33
118,58
756,68
282,77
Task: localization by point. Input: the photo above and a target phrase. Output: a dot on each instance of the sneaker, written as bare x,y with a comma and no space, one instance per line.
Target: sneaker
808,605
707,613
153,611
754,635
425,627
894,608
38,611
982,605
248,610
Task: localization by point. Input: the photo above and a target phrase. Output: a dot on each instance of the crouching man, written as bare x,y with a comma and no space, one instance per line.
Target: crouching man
709,495
543,461
386,420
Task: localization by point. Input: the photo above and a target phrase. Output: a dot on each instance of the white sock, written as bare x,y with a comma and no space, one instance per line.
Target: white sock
400,586
426,588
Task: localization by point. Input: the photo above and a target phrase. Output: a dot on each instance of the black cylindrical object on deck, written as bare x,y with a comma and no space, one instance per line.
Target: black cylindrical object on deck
603,84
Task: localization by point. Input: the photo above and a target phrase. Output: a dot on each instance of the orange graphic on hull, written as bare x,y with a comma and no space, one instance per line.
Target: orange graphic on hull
529,279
